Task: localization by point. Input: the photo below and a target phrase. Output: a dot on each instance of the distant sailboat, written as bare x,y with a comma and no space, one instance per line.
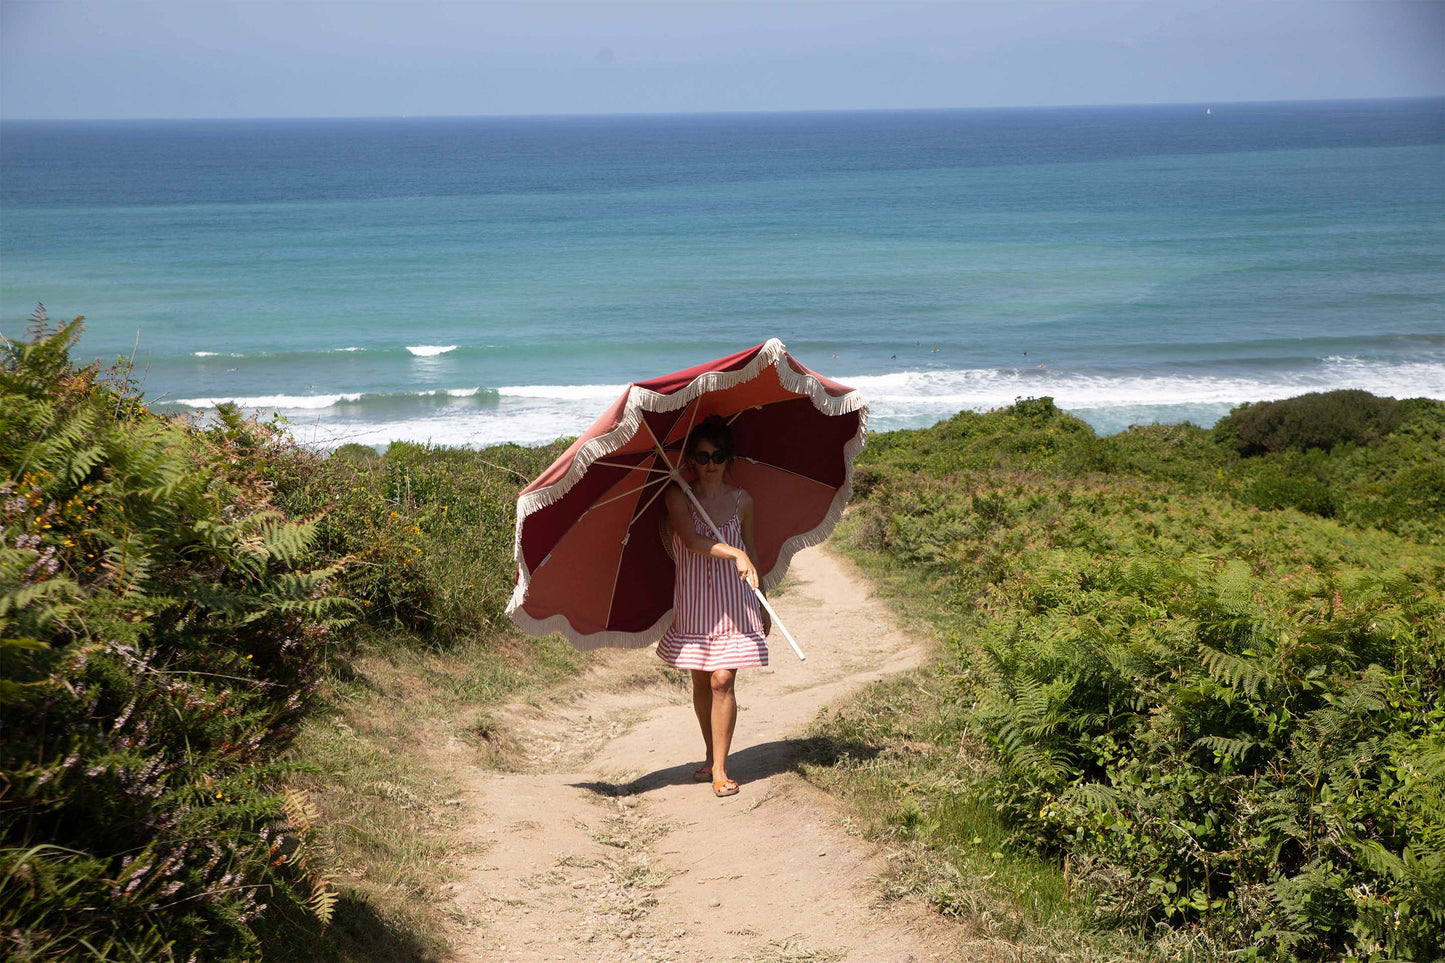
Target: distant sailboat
1208,111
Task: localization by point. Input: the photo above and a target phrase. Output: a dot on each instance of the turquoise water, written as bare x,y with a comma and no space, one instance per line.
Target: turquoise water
469,281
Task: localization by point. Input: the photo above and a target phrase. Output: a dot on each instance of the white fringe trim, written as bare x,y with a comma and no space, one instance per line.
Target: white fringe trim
820,532
639,400
597,640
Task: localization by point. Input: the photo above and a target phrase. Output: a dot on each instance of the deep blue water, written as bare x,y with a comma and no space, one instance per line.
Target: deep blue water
1136,263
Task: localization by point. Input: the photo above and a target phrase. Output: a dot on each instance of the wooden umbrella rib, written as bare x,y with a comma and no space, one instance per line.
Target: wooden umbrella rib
638,514
637,467
742,411
788,471
617,573
630,491
657,445
612,595
691,420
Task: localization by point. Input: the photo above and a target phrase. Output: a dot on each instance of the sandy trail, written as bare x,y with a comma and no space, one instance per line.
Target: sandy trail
603,848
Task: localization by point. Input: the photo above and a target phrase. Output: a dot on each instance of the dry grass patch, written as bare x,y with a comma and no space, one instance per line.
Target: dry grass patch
385,780
792,949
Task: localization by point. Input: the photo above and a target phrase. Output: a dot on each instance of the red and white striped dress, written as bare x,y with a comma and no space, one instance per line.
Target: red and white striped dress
717,622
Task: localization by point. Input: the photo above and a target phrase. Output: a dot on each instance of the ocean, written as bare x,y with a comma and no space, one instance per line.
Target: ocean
469,281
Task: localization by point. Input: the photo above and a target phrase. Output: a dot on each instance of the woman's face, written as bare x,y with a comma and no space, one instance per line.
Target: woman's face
710,468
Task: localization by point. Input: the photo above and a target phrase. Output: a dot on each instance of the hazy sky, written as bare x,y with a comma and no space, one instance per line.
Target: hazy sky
284,58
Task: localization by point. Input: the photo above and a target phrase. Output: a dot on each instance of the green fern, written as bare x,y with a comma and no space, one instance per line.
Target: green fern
1247,673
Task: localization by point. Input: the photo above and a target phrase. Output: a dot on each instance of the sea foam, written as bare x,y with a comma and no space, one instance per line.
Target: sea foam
378,400
563,392
275,402
531,414
982,388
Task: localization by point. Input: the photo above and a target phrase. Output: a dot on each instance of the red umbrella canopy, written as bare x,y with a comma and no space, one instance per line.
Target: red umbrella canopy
591,560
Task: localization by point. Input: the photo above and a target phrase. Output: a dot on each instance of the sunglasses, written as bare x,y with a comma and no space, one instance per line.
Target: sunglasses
703,457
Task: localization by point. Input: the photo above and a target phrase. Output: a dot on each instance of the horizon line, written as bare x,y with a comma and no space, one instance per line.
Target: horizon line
721,113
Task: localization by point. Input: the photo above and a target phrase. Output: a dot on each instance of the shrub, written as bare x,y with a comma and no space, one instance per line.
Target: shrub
1031,434
160,634
1293,481
1323,420
1270,761
355,452
427,532
1230,717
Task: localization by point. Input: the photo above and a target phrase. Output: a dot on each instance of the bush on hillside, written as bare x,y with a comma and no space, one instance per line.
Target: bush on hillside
1230,718
1395,482
1031,434
1272,763
1322,420
355,452
427,532
161,632
1293,480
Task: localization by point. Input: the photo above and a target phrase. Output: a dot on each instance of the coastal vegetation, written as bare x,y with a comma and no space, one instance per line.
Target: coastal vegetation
219,654
162,631
1186,702
1190,687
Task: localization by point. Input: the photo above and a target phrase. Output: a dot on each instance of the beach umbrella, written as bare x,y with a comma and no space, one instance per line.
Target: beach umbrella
592,561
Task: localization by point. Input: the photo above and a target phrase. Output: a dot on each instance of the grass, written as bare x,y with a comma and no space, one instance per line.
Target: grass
386,787
1152,618
946,848
908,791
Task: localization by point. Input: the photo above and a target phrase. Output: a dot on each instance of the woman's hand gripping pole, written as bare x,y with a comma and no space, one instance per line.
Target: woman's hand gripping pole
687,489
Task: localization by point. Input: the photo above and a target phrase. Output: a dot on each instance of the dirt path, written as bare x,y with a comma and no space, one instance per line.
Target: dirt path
603,848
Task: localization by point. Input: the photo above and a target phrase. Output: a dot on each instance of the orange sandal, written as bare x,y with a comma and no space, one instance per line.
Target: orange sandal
702,773
725,787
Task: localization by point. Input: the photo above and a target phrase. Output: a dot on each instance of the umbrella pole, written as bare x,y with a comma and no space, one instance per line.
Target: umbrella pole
756,591
682,483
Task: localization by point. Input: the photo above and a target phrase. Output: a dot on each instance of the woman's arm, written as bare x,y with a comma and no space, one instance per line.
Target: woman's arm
679,514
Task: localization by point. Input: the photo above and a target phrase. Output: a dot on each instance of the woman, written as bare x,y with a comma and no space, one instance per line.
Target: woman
717,623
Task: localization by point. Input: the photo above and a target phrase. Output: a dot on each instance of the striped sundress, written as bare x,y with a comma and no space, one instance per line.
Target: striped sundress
717,622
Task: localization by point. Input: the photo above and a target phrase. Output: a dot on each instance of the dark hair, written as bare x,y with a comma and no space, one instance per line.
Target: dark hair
712,429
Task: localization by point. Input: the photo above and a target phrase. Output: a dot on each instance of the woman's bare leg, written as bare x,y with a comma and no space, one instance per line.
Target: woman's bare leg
724,720
702,705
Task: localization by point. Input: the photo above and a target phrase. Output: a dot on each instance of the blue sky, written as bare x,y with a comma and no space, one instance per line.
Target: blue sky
265,58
